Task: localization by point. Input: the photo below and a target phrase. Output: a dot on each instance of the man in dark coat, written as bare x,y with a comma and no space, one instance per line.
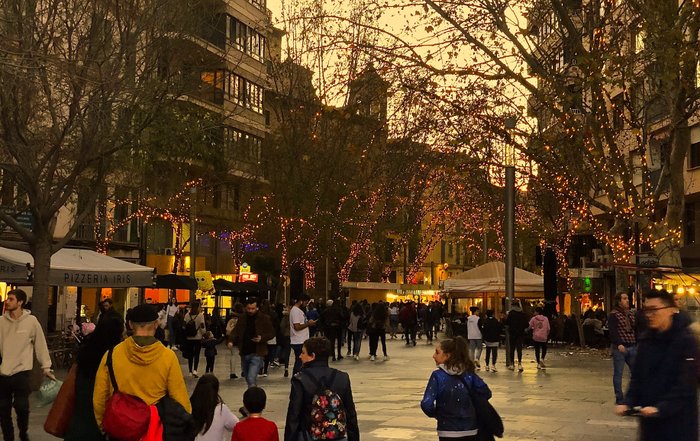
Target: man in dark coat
663,387
314,355
517,323
251,334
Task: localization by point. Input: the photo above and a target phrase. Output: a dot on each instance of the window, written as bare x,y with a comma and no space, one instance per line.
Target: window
694,155
638,38
247,39
242,146
223,84
618,111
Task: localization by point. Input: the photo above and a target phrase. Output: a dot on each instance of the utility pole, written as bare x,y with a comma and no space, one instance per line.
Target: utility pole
193,237
510,124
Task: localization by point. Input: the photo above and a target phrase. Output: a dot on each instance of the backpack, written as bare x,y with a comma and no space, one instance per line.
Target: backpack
126,417
191,327
327,415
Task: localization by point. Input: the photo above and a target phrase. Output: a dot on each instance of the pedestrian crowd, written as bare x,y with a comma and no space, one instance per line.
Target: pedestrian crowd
133,388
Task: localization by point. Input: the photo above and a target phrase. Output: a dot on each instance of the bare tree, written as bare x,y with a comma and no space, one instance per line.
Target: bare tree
79,82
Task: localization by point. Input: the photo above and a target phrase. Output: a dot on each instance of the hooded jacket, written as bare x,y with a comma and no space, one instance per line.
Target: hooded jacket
517,322
19,338
149,372
664,375
447,399
540,328
492,329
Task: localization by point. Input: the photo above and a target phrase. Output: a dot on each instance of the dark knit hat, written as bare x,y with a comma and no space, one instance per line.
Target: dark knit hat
143,314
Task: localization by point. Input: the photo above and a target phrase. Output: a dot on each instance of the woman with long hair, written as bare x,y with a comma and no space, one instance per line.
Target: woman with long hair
356,327
107,334
194,340
376,329
447,397
211,416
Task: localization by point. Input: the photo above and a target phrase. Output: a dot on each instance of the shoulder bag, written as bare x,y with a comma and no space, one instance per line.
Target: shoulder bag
58,420
488,421
126,417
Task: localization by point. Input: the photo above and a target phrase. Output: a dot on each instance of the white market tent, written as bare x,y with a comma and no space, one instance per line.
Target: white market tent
76,267
490,278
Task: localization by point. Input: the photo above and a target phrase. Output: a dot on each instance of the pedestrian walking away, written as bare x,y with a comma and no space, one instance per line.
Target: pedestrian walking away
212,418
623,341
144,369
21,337
517,323
332,323
540,334
376,330
663,387
356,328
251,334
254,427
107,334
474,335
447,396
321,404
299,329
194,334
491,333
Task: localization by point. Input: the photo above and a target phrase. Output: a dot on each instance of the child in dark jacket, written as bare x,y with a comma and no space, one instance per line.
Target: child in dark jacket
491,333
447,397
209,344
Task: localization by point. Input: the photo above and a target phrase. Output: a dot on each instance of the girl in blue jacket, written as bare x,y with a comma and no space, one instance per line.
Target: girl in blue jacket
446,397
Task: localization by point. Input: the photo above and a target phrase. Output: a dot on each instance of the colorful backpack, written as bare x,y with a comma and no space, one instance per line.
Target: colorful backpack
327,416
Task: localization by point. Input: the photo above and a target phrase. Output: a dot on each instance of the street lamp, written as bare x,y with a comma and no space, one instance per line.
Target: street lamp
509,162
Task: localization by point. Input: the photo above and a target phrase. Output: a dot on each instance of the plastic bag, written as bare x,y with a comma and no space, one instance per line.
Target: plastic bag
48,391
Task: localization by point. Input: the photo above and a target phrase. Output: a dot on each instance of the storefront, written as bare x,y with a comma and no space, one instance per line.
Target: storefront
78,280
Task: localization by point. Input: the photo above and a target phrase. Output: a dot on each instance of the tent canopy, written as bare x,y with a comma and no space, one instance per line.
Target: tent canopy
491,278
75,267
176,281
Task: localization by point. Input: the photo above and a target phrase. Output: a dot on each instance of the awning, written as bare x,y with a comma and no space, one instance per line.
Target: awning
75,267
176,281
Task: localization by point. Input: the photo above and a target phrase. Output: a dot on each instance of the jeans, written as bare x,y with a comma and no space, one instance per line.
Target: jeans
394,324
540,346
335,336
297,360
475,349
491,352
170,324
252,363
195,351
210,363
14,390
619,361
357,342
516,342
374,337
232,362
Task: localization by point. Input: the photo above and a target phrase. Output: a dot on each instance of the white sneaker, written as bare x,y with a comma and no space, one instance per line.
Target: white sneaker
487,368
493,368
542,364
372,358
539,365
520,367
356,357
510,367
386,358
194,374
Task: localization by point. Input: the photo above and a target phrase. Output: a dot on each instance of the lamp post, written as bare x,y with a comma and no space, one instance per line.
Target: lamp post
193,237
509,152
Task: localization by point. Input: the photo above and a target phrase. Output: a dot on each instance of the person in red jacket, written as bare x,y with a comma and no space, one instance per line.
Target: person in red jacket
409,319
255,427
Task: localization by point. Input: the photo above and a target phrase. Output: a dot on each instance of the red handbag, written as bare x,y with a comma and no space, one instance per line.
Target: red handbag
61,412
126,417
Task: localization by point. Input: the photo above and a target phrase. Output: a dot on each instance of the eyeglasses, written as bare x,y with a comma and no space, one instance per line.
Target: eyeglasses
649,311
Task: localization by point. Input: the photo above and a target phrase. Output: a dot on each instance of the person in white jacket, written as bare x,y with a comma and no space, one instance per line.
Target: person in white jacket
20,337
474,336
540,334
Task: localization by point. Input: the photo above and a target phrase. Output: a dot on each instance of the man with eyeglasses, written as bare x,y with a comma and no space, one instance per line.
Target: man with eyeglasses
663,388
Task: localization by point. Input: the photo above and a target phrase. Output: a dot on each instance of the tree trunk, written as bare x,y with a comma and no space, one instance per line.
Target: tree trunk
42,266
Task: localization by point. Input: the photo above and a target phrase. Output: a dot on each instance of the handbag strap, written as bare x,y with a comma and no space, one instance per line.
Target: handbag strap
111,371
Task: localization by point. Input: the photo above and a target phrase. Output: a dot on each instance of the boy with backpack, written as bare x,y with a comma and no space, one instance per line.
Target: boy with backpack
321,405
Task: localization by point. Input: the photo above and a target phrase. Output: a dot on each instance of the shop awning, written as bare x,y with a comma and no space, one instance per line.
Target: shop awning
75,267
176,281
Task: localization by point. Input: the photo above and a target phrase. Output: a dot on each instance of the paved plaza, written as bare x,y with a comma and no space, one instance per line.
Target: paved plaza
572,400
